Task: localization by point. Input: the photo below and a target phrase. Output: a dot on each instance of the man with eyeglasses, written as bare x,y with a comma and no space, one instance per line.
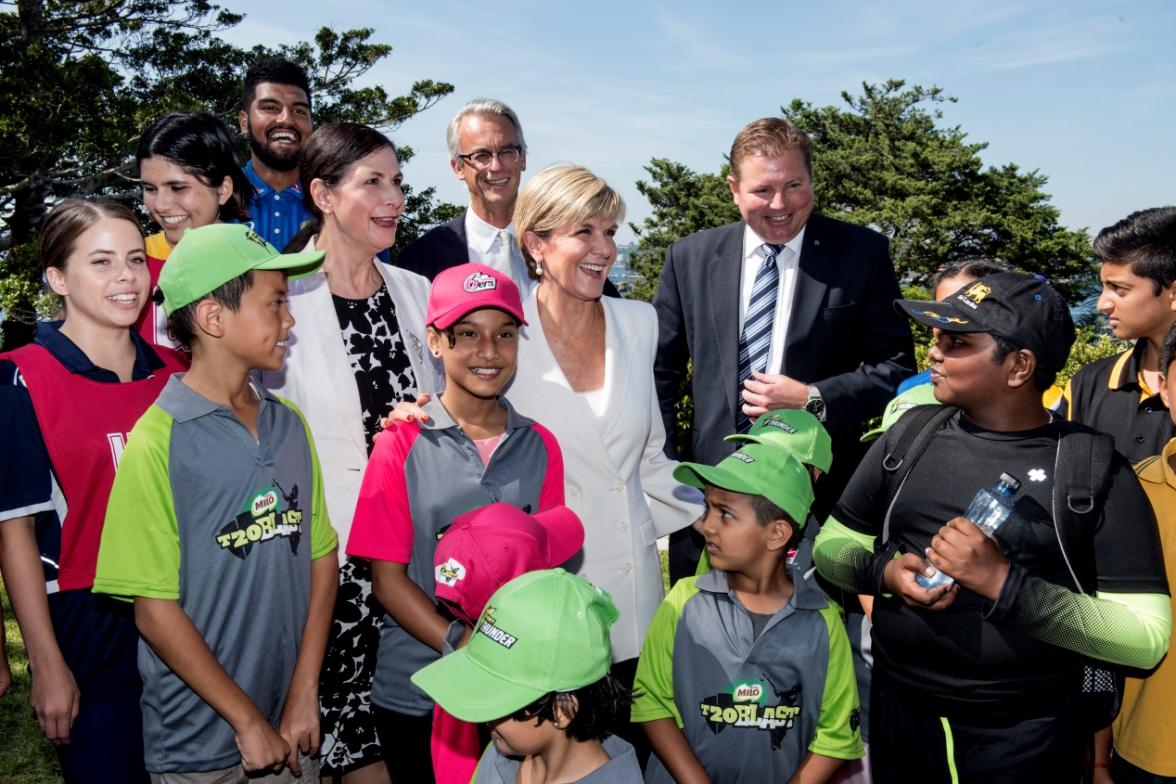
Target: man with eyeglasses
487,152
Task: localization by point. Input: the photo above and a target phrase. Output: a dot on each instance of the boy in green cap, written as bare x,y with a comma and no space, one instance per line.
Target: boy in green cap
746,671
536,669
217,529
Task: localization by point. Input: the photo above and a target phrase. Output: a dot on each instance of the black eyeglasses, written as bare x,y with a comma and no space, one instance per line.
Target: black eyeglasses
509,155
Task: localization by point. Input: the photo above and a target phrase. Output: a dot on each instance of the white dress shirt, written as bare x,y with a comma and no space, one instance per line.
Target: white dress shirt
497,248
787,263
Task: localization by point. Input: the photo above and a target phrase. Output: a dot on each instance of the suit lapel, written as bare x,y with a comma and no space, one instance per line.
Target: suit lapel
720,280
812,277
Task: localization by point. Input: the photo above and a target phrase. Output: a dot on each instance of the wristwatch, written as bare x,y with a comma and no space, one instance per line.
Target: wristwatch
815,404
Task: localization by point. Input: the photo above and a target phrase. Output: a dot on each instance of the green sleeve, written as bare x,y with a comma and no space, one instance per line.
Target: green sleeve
139,554
1131,629
323,539
654,683
839,726
846,558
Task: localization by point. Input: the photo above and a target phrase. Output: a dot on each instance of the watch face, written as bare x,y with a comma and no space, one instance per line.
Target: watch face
815,406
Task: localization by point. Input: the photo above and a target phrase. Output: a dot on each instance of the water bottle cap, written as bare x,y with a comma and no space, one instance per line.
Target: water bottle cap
1013,483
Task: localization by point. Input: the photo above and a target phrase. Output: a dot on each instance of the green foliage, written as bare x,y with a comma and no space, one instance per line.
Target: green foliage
79,80
884,159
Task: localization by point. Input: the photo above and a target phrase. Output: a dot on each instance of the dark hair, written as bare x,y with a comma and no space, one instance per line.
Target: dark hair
595,709
182,322
201,144
328,155
69,220
1168,351
1147,241
1043,377
274,70
976,268
767,511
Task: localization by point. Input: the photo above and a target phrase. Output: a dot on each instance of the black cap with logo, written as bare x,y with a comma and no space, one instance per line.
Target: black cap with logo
1023,309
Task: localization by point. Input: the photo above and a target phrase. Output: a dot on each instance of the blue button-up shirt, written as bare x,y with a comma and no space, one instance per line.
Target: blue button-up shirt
277,216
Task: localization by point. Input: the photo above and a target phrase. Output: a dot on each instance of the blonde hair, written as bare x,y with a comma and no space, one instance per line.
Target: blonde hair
560,195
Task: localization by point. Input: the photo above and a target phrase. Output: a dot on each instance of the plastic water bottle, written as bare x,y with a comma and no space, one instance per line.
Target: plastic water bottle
990,507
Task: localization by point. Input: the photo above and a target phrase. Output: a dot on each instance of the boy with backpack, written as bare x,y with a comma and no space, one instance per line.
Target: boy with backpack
979,679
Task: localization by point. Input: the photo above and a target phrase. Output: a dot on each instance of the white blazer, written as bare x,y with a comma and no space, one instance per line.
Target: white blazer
318,378
616,477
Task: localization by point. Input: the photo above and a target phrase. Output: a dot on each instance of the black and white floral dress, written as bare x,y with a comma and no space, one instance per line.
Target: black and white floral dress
383,377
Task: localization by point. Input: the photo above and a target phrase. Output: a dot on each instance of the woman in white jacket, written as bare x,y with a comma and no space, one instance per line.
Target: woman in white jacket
358,349
586,373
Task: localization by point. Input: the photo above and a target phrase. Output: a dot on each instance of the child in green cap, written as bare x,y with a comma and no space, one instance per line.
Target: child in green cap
536,669
746,671
217,529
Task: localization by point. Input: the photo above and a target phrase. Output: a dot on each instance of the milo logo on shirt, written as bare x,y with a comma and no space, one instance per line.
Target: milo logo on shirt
269,515
746,704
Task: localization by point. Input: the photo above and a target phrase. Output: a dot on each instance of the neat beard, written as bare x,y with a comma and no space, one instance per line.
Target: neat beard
269,157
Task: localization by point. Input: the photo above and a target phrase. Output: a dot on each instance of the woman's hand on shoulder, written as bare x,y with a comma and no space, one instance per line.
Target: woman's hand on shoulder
405,411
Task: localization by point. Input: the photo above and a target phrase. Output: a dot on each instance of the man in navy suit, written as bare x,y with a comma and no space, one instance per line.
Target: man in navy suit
486,152
819,332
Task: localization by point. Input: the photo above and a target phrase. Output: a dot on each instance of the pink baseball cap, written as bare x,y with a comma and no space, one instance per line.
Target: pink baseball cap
468,287
487,547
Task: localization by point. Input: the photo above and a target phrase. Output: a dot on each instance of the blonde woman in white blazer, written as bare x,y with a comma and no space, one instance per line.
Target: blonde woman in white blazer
585,372
357,348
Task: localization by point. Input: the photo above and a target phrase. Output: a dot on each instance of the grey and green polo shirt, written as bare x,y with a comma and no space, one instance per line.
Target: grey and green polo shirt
751,707
227,526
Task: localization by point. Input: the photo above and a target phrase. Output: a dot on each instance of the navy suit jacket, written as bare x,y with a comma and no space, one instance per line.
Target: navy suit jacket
844,334
444,246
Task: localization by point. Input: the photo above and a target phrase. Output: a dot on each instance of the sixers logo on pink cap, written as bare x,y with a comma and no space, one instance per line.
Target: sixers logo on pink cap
480,281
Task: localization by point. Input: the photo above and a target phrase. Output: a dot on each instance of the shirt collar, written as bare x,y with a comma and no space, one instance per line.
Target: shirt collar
480,235
806,594
185,404
439,418
1158,470
50,337
752,242
261,187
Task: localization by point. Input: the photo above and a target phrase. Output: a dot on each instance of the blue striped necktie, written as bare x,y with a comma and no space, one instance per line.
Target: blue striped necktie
756,339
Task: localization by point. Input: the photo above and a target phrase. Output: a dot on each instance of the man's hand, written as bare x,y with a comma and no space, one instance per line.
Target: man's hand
764,392
975,561
899,579
55,700
261,747
299,726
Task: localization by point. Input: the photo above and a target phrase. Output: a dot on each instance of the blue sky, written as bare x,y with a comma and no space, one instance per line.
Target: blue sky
1082,91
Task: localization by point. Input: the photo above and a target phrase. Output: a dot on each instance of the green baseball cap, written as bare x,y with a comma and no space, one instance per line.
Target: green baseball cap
758,468
796,430
208,257
918,395
541,632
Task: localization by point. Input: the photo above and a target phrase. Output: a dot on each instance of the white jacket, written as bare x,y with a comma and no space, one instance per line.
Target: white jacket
318,378
616,477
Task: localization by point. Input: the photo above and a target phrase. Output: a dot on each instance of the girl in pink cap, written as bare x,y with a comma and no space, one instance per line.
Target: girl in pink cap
471,449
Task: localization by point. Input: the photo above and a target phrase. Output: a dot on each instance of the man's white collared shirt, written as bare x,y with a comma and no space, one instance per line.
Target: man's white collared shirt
497,248
787,262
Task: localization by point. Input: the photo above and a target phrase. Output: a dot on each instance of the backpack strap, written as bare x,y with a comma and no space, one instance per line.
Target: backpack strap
1082,477
914,430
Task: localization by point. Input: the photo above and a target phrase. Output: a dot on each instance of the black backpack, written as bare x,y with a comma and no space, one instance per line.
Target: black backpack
1082,474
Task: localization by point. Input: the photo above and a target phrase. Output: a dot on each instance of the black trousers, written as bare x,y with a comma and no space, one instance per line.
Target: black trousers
911,742
405,742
